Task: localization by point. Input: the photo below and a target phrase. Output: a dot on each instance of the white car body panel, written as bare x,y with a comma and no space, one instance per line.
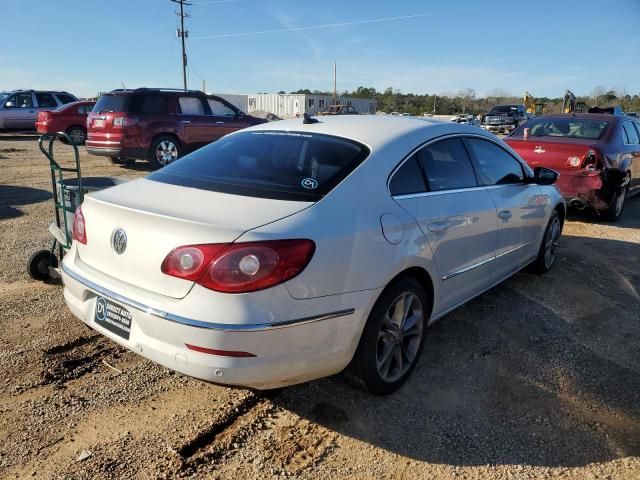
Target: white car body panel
310,326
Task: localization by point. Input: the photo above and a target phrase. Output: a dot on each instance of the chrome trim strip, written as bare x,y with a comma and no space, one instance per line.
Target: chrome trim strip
484,262
223,327
466,269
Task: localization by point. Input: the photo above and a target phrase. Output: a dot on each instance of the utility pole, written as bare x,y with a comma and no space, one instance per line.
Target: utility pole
182,33
334,83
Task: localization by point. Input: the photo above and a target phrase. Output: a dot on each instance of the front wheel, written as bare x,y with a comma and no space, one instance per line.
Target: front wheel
549,247
392,338
164,150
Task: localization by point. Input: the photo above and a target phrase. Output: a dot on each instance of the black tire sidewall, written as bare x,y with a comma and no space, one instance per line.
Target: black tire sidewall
84,134
35,261
154,145
365,357
538,266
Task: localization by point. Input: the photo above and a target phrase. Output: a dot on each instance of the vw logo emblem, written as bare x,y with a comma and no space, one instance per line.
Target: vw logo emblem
309,183
119,241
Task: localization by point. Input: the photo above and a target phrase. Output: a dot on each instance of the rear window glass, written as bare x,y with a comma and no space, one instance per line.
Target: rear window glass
112,103
148,104
268,164
564,127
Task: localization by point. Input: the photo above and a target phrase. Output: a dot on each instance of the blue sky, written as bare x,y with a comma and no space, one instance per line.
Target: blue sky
544,46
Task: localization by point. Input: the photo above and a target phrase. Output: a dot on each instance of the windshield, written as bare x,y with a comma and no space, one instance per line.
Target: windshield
503,109
112,103
3,95
268,164
564,127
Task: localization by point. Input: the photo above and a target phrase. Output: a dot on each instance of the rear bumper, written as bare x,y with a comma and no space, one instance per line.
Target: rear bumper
582,188
114,149
287,351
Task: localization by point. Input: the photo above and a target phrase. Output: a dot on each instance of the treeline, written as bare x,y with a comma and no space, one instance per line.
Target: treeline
467,101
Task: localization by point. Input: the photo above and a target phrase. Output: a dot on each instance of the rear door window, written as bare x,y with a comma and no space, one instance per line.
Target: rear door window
219,109
191,106
447,166
46,100
408,179
495,166
268,164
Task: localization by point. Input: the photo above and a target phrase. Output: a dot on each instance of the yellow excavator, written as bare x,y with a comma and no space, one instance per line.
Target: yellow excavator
571,105
534,106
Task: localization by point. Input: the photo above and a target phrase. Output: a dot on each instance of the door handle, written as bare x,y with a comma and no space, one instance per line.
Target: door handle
219,123
505,214
186,122
437,227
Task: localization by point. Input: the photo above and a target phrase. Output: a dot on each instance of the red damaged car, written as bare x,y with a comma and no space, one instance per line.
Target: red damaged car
597,156
70,118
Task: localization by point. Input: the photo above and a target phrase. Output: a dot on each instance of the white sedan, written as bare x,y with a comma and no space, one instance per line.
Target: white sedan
288,251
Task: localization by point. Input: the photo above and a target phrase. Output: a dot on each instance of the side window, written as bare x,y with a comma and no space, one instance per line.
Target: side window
219,109
408,179
21,100
64,98
81,110
191,106
447,165
631,135
45,100
495,166
637,125
150,104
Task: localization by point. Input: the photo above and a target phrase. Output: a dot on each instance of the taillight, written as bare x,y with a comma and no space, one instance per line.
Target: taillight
124,121
240,267
79,227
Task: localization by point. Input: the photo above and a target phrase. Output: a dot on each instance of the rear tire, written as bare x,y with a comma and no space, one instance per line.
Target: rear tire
164,150
549,247
77,134
392,338
38,264
612,214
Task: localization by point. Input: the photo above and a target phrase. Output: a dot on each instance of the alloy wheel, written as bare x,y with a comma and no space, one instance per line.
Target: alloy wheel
166,152
551,242
77,135
400,336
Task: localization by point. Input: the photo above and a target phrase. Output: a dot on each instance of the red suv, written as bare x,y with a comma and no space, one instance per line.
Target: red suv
159,125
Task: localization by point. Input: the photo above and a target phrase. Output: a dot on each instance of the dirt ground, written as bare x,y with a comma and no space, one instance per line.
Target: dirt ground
538,378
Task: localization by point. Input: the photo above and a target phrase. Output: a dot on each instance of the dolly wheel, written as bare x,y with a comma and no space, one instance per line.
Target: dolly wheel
39,263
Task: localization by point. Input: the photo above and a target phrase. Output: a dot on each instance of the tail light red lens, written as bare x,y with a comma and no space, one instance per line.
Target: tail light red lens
240,267
124,121
79,230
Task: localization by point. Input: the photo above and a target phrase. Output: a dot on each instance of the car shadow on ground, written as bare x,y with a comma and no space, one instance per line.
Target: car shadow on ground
630,217
139,166
541,371
12,196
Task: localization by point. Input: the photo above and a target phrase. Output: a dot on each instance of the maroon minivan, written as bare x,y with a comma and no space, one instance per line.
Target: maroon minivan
159,125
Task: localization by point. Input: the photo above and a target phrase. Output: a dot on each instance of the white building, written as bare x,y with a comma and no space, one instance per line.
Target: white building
287,105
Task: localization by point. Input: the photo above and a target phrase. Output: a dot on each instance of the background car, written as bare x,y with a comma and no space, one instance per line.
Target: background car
597,156
339,110
19,108
70,118
160,125
287,251
504,118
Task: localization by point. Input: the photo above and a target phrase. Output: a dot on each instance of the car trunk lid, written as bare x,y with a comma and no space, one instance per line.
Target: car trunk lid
550,153
158,217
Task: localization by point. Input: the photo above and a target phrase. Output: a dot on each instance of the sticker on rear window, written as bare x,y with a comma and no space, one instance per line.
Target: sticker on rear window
309,183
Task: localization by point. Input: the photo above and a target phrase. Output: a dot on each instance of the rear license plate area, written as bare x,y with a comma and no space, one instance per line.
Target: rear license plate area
113,317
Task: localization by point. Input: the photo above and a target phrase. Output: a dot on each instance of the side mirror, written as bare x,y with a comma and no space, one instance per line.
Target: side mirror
9,105
544,176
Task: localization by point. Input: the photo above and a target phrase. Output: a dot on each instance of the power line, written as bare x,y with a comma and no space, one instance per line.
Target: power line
331,25
182,33
215,1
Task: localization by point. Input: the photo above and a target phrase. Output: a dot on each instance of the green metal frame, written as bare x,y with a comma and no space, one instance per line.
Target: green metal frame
58,186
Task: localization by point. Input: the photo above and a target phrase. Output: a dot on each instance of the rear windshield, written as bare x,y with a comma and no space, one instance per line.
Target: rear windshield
564,127
112,103
268,164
